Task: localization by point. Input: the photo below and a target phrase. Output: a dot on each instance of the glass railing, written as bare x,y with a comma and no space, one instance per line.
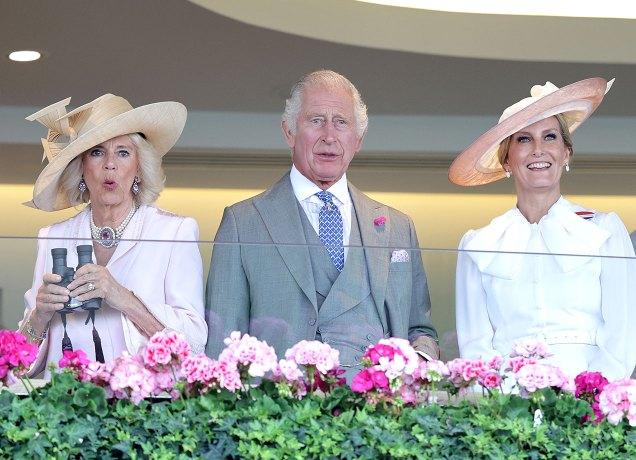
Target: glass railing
503,296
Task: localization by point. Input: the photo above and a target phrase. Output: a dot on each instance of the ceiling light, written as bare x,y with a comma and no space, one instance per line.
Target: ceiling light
24,56
564,8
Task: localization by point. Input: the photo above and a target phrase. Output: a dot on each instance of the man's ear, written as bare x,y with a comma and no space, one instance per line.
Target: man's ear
360,141
287,134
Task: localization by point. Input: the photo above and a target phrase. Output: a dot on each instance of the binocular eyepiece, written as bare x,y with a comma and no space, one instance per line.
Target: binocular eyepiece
84,256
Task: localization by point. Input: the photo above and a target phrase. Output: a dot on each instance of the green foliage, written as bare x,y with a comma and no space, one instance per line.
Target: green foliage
67,418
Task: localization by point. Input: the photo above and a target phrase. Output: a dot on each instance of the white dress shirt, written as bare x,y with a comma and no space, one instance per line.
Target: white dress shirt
582,306
305,191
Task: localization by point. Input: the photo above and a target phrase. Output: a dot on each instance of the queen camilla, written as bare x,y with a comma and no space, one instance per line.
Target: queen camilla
146,274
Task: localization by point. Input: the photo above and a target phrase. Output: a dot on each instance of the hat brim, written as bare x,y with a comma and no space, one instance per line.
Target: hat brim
161,123
478,163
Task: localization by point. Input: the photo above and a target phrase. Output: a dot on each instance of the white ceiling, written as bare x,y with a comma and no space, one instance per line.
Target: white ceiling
234,76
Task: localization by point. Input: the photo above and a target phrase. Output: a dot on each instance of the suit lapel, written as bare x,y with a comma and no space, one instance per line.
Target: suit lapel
375,239
279,210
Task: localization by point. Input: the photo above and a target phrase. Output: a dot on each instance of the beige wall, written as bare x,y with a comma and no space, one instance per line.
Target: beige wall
440,218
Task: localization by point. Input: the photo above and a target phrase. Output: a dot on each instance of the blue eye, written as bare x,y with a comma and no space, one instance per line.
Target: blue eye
96,152
523,138
551,137
123,153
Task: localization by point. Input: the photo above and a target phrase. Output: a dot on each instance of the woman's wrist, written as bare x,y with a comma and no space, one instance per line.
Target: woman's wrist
125,300
33,333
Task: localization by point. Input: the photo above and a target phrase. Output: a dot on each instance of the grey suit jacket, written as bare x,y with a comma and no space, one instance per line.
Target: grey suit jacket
261,280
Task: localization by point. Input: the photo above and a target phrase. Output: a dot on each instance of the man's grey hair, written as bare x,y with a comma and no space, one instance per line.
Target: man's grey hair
327,79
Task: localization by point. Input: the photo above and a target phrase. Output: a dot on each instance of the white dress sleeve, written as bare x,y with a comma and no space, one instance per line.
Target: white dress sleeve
616,357
474,328
183,291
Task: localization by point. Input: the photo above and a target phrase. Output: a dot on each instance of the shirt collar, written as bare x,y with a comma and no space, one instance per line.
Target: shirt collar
304,188
498,249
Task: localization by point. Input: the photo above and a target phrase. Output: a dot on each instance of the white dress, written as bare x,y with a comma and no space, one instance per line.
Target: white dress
582,306
165,273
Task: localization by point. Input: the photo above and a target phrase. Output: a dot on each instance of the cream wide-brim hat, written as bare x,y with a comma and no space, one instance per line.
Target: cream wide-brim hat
106,117
478,164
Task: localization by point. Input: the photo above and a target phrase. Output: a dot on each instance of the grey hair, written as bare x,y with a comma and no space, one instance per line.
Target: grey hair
150,173
328,79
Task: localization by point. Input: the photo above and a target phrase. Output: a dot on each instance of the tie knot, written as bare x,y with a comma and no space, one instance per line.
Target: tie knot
326,197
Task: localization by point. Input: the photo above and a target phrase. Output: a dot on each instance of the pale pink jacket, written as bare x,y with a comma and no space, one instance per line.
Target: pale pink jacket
158,259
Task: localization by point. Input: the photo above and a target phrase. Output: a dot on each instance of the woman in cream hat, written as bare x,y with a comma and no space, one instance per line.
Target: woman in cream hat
108,154
508,286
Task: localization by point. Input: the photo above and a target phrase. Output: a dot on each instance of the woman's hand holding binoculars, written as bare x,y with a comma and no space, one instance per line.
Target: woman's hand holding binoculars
95,281
50,297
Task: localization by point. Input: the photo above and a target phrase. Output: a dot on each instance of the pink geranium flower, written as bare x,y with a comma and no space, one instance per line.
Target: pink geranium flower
16,355
588,386
363,381
314,353
129,379
96,373
516,363
379,378
530,348
618,401
533,377
166,348
490,380
75,361
430,372
380,350
465,372
321,364
253,356
495,362
392,367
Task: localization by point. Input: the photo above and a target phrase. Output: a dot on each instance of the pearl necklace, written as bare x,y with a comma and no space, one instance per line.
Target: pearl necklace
107,236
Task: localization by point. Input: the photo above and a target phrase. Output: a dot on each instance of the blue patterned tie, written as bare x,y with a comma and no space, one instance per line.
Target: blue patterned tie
330,229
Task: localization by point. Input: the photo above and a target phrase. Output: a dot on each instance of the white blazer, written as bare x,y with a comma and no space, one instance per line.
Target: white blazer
165,273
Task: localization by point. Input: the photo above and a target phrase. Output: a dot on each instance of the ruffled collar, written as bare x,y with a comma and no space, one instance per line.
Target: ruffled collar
562,230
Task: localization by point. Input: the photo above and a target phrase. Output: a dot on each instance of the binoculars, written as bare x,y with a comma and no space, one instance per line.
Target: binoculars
84,256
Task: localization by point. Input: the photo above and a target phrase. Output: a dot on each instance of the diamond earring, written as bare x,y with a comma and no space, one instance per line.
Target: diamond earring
507,174
81,186
135,185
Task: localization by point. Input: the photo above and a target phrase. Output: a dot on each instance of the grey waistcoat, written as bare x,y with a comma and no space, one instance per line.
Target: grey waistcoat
351,330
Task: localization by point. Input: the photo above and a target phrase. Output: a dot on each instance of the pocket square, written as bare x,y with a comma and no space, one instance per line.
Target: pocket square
400,255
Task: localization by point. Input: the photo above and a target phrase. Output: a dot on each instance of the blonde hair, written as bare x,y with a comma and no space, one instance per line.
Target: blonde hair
150,173
504,147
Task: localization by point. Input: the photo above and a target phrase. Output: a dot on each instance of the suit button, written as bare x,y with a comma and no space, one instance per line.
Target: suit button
363,348
369,337
312,321
318,329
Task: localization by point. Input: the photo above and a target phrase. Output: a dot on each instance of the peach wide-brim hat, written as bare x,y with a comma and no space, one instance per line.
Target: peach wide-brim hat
479,164
108,116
